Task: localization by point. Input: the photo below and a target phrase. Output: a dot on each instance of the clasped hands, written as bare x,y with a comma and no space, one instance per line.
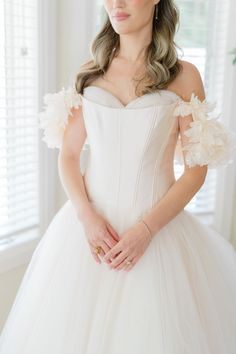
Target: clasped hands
119,252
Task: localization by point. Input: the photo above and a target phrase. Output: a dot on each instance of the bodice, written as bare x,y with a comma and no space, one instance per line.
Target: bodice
130,164
131,148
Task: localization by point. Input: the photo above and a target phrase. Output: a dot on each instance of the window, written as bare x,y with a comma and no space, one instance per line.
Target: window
201,23
202,36
192,37
19,165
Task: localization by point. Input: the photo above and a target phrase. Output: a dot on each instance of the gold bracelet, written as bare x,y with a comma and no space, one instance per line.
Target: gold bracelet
147,228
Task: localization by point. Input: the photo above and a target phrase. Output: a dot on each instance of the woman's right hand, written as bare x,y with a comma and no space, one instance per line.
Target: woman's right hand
99,232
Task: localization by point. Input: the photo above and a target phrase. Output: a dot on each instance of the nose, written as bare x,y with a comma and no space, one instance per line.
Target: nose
117,3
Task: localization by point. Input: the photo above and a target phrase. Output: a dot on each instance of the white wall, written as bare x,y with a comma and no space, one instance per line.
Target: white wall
74,38
233,237
9,283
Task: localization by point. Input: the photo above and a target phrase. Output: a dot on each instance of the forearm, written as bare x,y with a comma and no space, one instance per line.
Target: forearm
176,198
73,184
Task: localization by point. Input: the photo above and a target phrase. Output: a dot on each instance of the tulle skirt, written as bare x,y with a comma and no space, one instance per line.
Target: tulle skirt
180,297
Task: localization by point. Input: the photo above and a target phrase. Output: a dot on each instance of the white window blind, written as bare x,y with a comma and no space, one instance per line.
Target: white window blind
19,166
202,36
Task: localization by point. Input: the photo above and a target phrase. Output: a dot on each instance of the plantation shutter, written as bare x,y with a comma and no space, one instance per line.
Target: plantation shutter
19,165
202,35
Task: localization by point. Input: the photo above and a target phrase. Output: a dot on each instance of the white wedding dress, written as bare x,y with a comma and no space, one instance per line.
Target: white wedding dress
180,297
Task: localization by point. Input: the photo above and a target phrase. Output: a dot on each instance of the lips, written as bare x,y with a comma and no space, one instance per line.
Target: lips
121,15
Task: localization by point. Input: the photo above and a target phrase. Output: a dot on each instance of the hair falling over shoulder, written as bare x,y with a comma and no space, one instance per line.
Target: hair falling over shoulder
161,54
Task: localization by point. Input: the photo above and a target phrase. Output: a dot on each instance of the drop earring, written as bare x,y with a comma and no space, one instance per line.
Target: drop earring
156,12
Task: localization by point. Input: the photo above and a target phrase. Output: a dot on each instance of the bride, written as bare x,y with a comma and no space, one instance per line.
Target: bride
123,267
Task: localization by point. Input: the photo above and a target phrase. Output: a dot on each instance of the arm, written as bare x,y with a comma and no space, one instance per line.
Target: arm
64,128
177,197
69,163
99,232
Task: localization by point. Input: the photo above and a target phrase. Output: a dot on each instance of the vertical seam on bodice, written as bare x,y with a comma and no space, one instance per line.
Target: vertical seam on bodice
119,168
156,180
150,134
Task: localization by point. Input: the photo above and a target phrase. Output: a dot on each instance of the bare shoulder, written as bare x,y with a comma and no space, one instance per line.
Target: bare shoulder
189,81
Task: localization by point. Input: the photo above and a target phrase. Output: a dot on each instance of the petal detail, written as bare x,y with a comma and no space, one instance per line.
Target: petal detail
54,118
210,142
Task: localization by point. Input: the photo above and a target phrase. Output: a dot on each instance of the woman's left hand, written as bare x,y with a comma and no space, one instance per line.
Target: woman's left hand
131,246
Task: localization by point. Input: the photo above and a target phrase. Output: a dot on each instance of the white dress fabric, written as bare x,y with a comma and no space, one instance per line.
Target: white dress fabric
180,297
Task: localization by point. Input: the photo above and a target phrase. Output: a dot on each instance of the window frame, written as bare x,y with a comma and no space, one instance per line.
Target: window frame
226,179
18,251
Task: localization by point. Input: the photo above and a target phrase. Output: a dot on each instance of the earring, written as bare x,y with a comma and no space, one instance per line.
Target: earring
156,11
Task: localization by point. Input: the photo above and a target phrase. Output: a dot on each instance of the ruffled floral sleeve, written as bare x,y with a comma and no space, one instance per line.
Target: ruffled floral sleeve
209,141
57,110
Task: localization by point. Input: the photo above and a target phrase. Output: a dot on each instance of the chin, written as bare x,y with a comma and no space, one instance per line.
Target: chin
122,29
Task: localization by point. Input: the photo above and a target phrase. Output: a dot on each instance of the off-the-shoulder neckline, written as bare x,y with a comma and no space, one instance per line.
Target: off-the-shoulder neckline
129,105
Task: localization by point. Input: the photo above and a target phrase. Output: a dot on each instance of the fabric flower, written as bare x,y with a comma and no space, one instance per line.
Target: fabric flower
209,141
55,116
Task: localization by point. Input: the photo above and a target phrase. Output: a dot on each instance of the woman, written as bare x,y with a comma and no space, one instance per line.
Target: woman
123,267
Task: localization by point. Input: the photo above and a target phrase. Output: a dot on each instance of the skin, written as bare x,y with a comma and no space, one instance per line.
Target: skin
135,34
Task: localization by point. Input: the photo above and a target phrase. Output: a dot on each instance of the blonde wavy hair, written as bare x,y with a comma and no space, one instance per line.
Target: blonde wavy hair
161,58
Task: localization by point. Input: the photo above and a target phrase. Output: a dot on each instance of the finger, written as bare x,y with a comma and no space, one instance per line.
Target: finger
113,243
121,258
97,259
110,241
101,253
124,264
107,243
95,256
131,265
128,268
93,247
113,232
105,247
113,252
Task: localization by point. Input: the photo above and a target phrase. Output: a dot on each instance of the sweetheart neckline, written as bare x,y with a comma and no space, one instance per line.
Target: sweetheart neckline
125,109
133,100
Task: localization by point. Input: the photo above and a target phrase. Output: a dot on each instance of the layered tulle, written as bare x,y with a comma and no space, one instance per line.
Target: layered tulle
179,297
